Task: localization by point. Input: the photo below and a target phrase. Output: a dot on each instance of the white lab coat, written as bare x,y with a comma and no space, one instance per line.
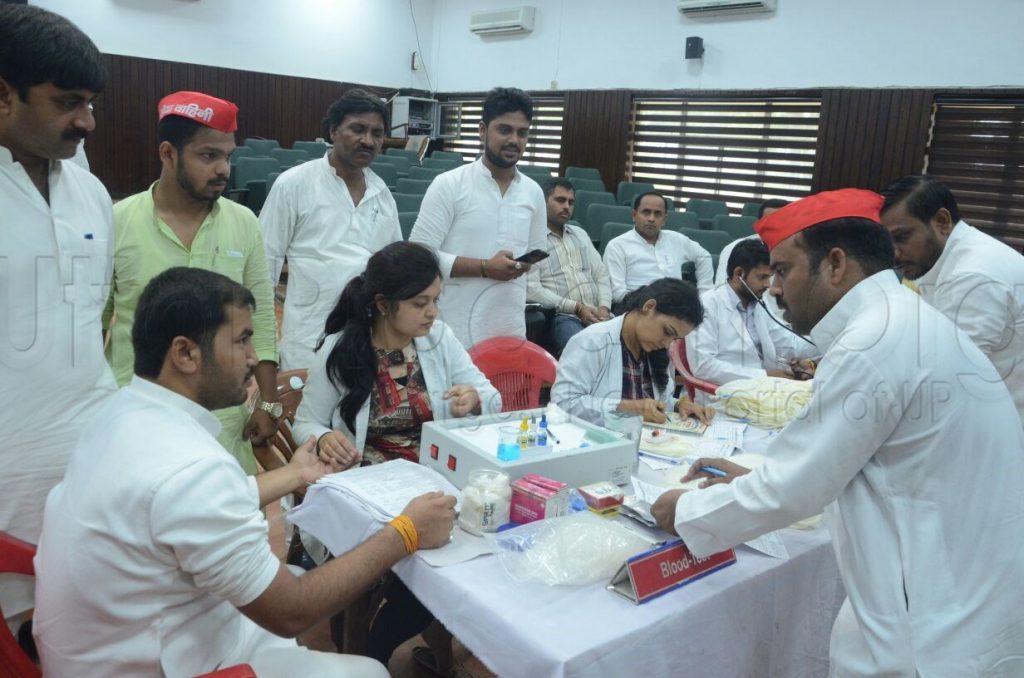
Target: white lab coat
444,363
310,220
589,378
722,349
978,282
464,214
919,472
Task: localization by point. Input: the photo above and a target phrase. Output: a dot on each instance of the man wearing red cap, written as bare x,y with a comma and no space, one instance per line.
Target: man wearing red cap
183,220
910,444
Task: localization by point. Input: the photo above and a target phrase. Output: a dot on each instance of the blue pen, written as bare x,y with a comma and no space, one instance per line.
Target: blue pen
713,471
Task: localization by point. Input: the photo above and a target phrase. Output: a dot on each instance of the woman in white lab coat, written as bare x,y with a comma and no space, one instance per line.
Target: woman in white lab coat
385,366
622,364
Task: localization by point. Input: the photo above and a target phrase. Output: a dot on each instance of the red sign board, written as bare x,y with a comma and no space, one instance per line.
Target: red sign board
650,574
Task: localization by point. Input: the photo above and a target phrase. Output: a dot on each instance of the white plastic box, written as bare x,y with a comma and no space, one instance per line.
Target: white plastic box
455,447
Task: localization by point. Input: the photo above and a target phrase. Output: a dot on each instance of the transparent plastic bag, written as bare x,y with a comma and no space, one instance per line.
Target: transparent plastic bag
571,550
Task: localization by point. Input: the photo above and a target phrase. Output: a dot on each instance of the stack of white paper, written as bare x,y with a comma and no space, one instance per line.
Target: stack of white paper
383,490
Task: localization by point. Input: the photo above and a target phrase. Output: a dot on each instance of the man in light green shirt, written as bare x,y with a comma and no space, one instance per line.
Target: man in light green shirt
182,220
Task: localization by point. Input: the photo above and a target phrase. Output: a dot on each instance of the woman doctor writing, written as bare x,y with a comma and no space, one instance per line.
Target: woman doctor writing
623,364
387,365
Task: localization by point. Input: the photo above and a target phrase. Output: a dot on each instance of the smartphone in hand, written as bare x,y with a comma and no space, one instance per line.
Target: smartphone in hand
533,256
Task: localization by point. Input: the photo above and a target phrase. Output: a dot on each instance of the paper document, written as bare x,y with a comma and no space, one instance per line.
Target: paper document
771,545
383,490
677,422
722,429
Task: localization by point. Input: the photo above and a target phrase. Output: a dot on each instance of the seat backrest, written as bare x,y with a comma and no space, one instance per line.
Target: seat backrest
242,152
388,173
449,155
425,173
630,189
707,209
440,163
245,170
314,149
713,241
271,178
584,199
412,156
412,186
399,162
290,157
677,221
584,173
15,558
517,368
677,352
407,202
262,146
407,220
751,209
581,184
599,214
610,231
737,227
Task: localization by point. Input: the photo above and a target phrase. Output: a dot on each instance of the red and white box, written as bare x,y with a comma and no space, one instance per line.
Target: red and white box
602,497
535,497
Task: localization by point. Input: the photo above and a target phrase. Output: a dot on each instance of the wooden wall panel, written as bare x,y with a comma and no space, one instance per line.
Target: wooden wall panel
595,132
868,137
122,149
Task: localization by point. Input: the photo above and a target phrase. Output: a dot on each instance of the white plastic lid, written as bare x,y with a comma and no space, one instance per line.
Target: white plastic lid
296,383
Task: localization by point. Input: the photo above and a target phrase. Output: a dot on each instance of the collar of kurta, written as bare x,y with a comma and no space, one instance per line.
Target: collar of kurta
955,236
7,160
151,390
482,168
868,292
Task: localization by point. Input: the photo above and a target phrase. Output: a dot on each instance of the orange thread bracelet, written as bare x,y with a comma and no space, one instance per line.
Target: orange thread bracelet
407,530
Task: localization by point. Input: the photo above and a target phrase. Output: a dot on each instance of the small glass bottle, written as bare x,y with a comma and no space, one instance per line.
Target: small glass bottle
524,434
542,431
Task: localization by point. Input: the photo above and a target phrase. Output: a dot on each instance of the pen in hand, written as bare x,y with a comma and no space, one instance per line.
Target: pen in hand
711,470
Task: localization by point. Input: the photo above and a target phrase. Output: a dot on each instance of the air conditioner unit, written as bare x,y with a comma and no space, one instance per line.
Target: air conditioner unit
516,20
703,8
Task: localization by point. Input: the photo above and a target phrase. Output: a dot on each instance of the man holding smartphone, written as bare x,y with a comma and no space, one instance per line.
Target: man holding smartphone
479,218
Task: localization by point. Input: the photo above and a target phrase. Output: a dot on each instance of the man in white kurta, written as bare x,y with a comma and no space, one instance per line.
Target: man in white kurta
974,279
154,558
480,216
55,263
649,252
737,340
917,468
326,217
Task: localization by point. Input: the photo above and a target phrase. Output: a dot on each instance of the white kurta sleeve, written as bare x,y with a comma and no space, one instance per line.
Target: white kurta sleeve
600,273
807,465
787,344
615,263
319,398
705,271
437,213
205,517
277,219
978,305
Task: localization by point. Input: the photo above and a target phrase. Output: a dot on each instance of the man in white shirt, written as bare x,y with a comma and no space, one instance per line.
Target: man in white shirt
573,279
326,217
737,340
478,218
917,469
154,558
649,252
974,279
55,261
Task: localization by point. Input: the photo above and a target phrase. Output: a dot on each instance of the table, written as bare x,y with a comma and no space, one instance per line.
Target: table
759,617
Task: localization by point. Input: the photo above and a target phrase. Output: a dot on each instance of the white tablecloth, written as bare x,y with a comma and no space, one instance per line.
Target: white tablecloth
759,617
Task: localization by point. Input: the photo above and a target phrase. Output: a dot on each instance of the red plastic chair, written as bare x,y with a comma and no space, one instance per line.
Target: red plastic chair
15,557
677,351
517,368
238,671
